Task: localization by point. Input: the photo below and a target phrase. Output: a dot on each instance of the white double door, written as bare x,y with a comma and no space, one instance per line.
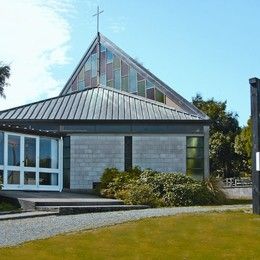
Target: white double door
21,164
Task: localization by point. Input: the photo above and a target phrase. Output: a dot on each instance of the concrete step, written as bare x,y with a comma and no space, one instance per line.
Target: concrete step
68,210
78,202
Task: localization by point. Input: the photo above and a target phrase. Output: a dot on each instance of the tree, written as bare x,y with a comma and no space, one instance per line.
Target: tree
224,128
4,75
243,146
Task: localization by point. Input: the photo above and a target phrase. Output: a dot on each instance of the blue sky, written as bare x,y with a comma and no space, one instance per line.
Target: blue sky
207,47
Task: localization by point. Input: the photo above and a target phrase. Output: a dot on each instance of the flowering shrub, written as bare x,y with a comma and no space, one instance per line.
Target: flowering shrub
159,189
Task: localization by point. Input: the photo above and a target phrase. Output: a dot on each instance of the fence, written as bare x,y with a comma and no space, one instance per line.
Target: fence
237,182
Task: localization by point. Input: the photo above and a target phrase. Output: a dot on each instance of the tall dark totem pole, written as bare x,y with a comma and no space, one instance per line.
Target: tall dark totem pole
255,113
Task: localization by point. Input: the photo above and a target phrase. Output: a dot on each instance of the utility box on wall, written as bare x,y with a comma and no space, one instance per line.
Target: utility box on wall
255,113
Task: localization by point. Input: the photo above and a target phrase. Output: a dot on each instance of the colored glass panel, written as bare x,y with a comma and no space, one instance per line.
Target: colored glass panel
116,62
94,82
103,62
81,75
81,85
139,77
109,71
74,85
149,84
88,64
102,48
159,96
124,69
132,80
150,93
110,83
88,78
141,88
103,79
125,83
94,65
109,56
117,79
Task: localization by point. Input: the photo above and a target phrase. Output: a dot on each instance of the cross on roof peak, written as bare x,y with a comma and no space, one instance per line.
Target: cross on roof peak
97,15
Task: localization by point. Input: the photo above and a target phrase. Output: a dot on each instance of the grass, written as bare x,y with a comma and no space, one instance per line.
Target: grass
6,206
199,236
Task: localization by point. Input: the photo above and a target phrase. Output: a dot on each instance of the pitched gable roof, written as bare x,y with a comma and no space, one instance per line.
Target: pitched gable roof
177,101
100,103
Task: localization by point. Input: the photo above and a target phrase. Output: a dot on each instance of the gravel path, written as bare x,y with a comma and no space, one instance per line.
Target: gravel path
13,232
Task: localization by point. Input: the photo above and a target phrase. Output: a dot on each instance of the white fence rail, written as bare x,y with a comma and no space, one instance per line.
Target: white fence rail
237,182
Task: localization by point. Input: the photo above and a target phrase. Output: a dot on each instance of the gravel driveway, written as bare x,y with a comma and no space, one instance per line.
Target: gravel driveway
13,232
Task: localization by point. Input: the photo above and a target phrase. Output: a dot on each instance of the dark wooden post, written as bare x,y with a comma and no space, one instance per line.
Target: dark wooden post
255,113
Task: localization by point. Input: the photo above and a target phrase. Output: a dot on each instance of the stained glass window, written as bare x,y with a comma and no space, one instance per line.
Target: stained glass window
88,78
88,64
117,79
149,84
125,83
81,85
132,80
103,79
124,69
116,73
141,88
159,96
109,56
94,65
150,93
116,62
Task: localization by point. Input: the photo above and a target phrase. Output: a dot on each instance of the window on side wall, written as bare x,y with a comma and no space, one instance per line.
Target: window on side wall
195,156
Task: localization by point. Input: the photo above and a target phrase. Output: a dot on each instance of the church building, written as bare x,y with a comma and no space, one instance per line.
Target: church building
112,112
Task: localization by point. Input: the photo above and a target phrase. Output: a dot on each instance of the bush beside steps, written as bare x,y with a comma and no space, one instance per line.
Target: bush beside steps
157,189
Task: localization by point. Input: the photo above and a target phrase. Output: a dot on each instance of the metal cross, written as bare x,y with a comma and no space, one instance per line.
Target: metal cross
97,15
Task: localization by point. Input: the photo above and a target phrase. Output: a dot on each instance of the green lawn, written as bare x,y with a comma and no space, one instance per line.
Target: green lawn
199,236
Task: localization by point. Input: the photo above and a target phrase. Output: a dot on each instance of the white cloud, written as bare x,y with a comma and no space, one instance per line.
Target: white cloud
117,25
34,37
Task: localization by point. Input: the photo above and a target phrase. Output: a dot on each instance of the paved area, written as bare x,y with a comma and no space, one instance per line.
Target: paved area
28,200
22,215
13,232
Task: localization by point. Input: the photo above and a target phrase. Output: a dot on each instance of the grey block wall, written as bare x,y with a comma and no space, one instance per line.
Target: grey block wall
165,153
90,155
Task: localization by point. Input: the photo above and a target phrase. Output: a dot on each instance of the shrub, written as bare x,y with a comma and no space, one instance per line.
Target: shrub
108,176
188,194
141,194
160,189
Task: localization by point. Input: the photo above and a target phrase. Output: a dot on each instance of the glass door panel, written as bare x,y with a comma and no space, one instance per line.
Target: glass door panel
29,152
14,143
29,162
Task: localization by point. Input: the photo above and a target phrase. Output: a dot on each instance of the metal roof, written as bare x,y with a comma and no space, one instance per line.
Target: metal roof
100,103
180,101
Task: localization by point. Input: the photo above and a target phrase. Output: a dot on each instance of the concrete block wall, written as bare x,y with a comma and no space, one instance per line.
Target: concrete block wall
90,155
165,153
